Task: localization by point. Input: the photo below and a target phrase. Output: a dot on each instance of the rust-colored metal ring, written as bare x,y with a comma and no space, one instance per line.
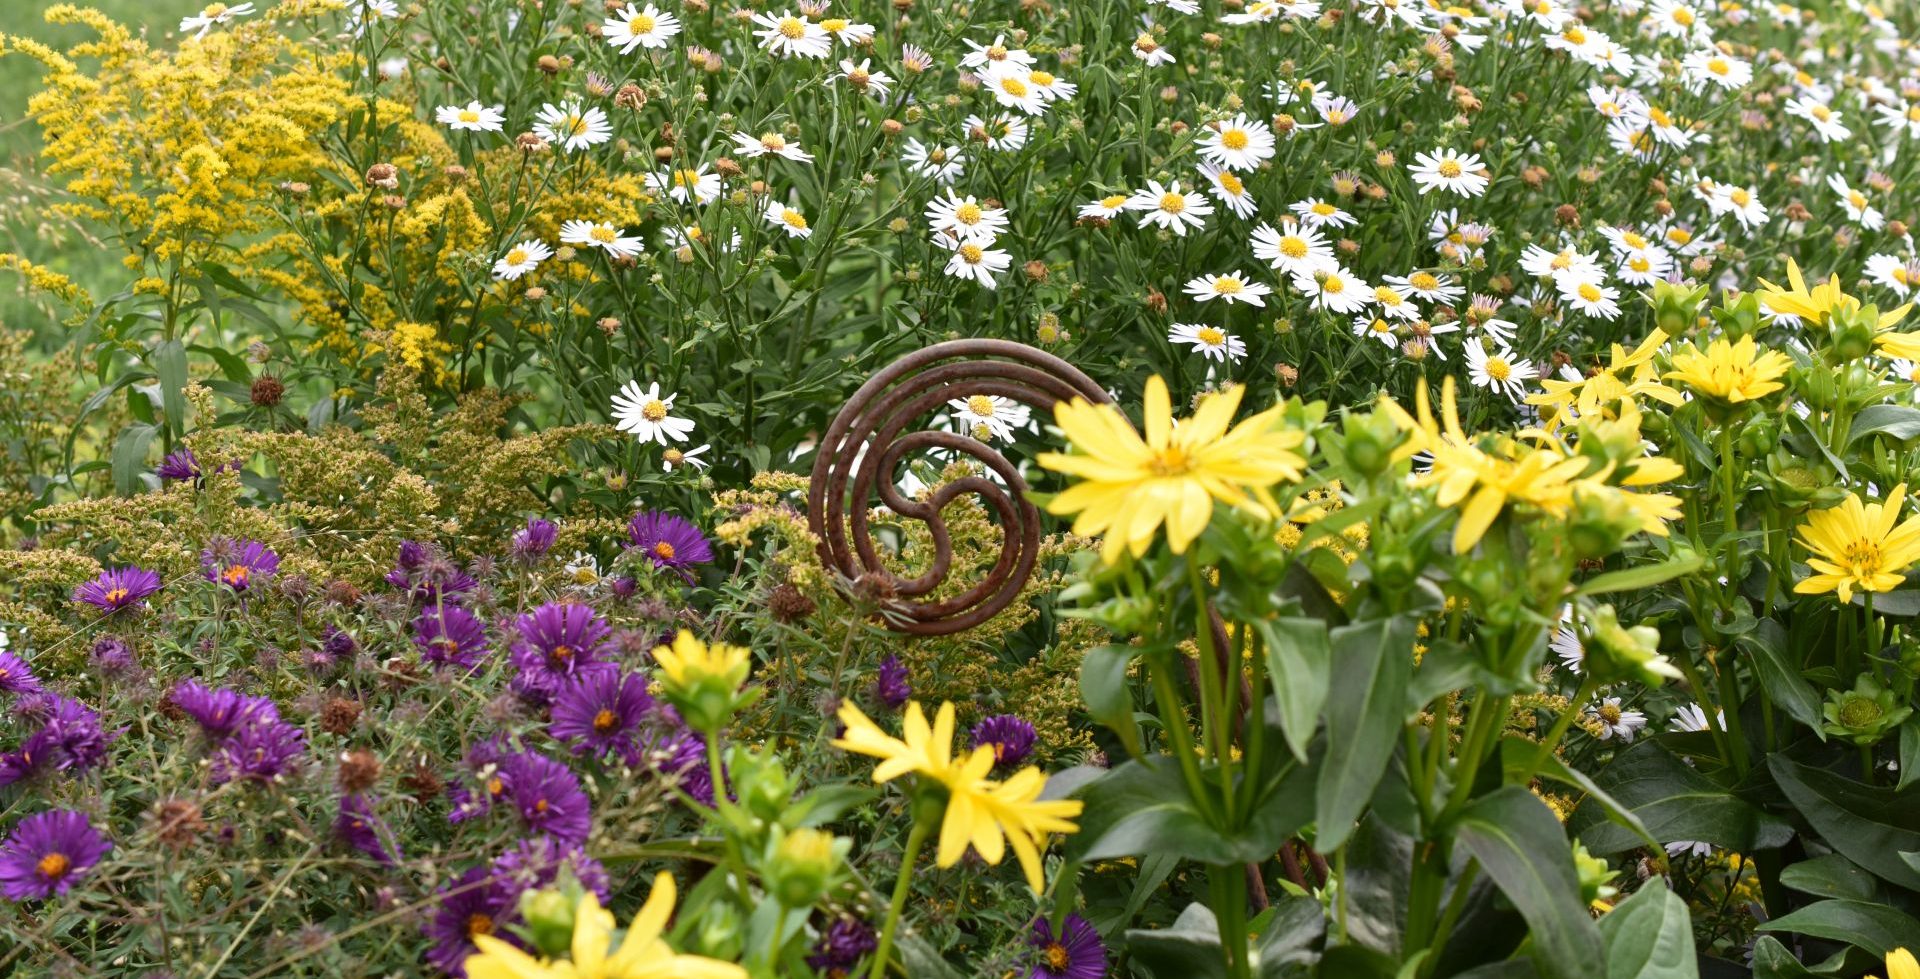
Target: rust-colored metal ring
872,434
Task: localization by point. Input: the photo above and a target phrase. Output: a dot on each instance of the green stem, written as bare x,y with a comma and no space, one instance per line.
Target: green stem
902,886
1587,686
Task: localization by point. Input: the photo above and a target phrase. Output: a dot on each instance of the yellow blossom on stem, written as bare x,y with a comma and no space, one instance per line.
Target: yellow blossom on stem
1731,372
1857,545
1901,965
643,954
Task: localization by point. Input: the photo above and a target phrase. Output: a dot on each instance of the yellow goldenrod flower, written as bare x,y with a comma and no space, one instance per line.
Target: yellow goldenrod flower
1129,486
1731,372
987,815
1857,545
1901,965
642,955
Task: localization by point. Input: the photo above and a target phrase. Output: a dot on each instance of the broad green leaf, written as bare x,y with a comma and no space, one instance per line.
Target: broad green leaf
1299,655
1767,646
169,361
1674,802
1898,421
1516,750
1876,928
1190,949
1909,752
130,458
1524,849
1867,824
1142,807
920,958
1366,704
1639,578
1832,875
1650,936
1291,935
1771,960
1103,685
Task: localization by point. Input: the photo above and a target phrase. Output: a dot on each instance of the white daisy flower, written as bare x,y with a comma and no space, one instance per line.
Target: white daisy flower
942,164
1334,288
966,218
1295,249
1148,48
1376,328
1614,722
791,36
1859,210
1177,6
1228,189
1210,342
974,261
1051,87
1709,66
769,144
573,126
1893,272
1234,288
1170,207
1316,213
1432,287
1537,261
1693,718
1645,267
594,234
1394,304
213,14
684,185
1238,143
1677,18
1688,848
1741,202
1443,169
981,56
648,415
983,415
1012,86
864,78
673,458
1499,370
1105,207
1002,132
1902,117
1588,294
1828,124
793,222
521,259
646,28
473,118
851,34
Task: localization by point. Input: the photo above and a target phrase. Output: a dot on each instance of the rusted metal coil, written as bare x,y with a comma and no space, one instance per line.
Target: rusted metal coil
880,425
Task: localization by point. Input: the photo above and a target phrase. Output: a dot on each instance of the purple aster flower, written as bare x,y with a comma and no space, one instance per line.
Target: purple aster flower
557,643
70,738
117,588
450,636
337,643
362,830
221,712
471,904
47,853
842,946
600,711
1076,953
261,751
111,655
16,676
180,466
669,541
892,686
426,575
238,564
547,796
684,754
532,542
538,862
1012,738
482,761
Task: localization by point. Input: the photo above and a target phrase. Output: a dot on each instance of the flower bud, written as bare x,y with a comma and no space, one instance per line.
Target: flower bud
549,915
801,866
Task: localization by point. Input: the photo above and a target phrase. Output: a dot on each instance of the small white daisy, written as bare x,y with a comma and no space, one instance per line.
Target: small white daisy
793,222
473,117
646,28
1443,169
648,415
213,14
573,126
769,144
673,458
684,185
594,234
864,78
966,218
1210,342
984,415
1234,288
1499,370
1295,250
521,259
791,36
1588,294
1614,722
1316,213
1170,207
974,261
942,164
1334,288
1105,207
1238,143
1228,189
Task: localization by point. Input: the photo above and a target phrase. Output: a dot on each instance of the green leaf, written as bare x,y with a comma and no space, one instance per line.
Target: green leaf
1291,935
1909,752
1867,824
130,458
1771,960
1644,576
1516,751
169,361
1142,807
1876,928
1524,850
918,957
1674,802
1831,875
1366,704
1103,685
1782,682
1190,949
1299,655
1898,421
1650,936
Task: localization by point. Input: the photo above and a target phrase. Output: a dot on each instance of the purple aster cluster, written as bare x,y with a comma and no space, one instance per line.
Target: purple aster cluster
602,712
361,829
16,677
470,905
111,655
540,861
669,542
532,542
427,575
891,686
841,946
70,738
250,741
449,635
558,643
118,588
1012,738
180,466
47,853
547,797
238,564
1075,953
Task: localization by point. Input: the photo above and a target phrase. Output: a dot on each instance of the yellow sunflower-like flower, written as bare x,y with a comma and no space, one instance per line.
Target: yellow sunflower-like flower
1797,300
1628,375
1901,965
690,662
1857,545
1730,372
641,955
1129,486
987,815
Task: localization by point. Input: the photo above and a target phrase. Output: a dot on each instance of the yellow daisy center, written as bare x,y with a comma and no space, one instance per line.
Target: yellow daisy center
834,25
1014,87
1589,292
653,411
794,219
1423,281
1230,183
981,405
516,256
1113,200
1293,246
1234,139
1450,169
1718,66
602,234
641,24
972,254
1040,78
1210,336
1173,203
968,213
468,115
1386,297
792,28
1498,368
1227,285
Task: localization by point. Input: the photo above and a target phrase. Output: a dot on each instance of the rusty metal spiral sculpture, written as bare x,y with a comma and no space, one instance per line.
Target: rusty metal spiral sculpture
874,431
